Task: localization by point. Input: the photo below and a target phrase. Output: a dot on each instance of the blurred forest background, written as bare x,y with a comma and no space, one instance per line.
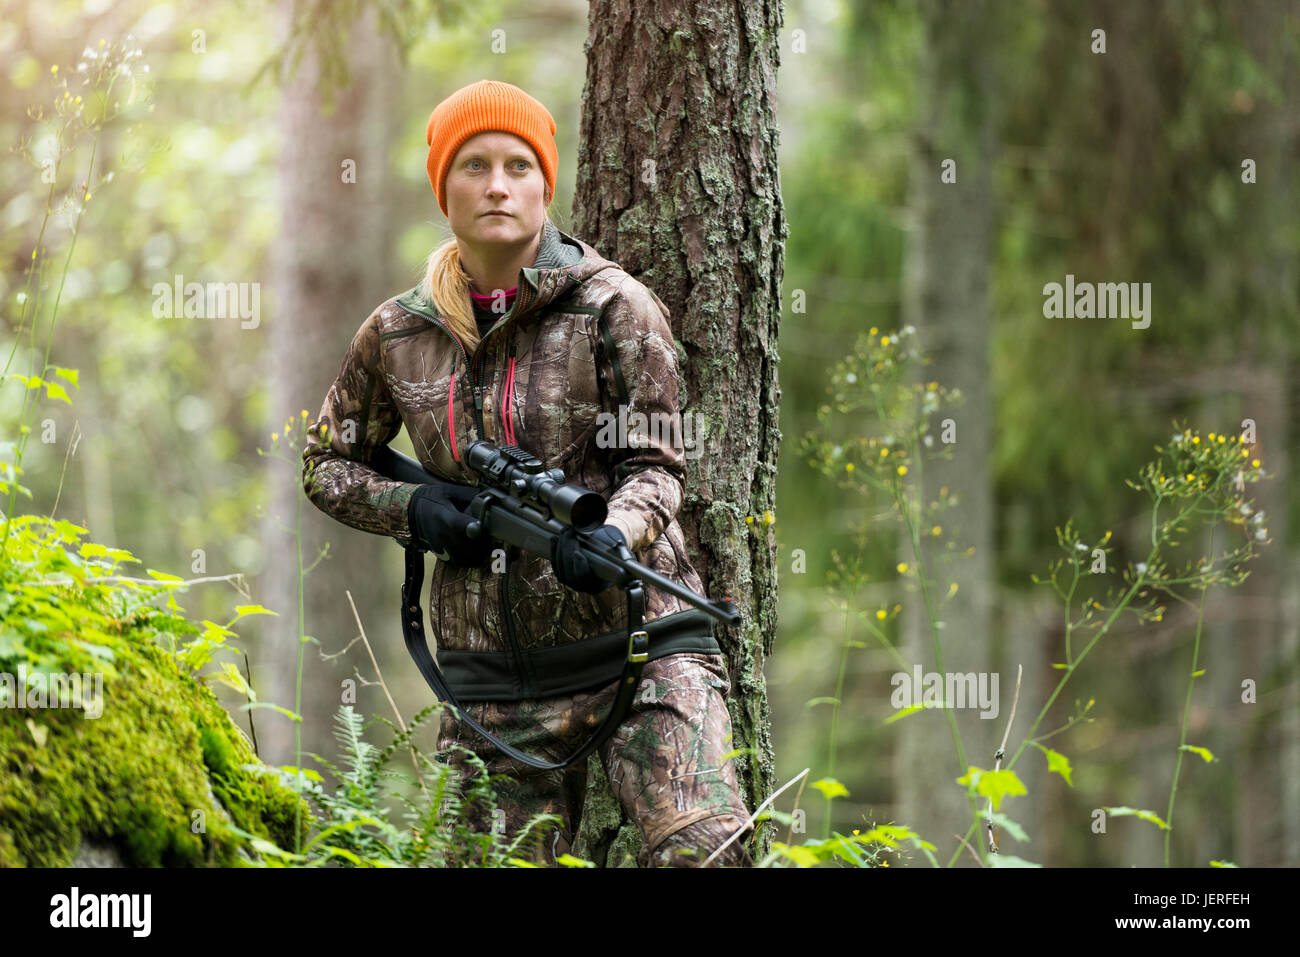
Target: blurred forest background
1117,166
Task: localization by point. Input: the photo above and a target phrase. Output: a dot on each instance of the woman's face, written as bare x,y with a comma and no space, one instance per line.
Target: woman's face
492,171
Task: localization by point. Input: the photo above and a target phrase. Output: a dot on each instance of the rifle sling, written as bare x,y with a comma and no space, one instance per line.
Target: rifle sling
638,644
578,666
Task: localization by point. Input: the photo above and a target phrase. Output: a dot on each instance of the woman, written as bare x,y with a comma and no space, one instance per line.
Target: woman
503,341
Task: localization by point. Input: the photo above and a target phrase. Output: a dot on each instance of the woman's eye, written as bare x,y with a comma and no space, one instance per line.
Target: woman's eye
523,164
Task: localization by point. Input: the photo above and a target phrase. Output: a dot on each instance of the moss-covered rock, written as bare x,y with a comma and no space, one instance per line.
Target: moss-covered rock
158,776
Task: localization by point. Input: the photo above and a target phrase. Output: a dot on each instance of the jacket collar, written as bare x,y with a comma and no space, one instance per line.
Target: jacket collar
562,263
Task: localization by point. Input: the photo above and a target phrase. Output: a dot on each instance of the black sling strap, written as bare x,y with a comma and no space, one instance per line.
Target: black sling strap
638,647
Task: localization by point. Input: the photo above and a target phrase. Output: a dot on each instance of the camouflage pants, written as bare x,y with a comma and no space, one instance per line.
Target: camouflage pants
664,762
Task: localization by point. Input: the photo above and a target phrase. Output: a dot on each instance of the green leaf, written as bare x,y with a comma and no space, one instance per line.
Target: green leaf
1144,815
801,856
56,391
1056,762
1203,752
308,773
250,705
1008,825
903,713
568,860
831,788
891,835
266,847
92,550
843,849
812,703
1009,860
994,785
69,374
68,531
1222,864
243,610
162,576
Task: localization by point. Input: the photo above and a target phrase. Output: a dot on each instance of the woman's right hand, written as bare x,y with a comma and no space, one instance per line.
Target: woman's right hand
436,515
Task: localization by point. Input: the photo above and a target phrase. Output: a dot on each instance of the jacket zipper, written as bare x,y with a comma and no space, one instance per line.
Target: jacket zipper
526,683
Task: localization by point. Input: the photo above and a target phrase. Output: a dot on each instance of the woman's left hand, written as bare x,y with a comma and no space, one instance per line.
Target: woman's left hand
571,566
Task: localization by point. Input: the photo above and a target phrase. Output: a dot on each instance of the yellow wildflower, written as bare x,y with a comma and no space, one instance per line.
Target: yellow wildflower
936,530
1254,463
902,470
902,568
880,613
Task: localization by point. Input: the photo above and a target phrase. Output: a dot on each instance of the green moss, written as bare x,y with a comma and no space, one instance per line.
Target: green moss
158,775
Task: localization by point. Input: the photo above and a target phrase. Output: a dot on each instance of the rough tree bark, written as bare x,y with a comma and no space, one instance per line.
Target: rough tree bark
677,181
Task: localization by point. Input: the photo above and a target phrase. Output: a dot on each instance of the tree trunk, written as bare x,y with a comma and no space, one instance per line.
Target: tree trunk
1268,832
331,267
945,296
677,182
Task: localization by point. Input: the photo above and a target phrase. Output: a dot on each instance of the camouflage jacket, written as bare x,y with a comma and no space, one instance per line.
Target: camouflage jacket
406,367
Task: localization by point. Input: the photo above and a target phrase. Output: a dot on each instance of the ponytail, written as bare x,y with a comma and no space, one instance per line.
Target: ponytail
446,285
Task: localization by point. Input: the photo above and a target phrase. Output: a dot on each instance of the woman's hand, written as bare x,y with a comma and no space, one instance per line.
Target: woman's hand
571,566
436,515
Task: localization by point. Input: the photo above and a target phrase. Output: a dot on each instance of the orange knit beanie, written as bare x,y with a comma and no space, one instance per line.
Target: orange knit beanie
487,105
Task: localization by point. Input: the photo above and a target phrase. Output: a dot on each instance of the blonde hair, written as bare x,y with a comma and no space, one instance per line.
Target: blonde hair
446,285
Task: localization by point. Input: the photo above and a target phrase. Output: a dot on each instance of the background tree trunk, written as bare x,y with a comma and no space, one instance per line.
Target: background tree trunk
946,297
1263,645
330,269
677,181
